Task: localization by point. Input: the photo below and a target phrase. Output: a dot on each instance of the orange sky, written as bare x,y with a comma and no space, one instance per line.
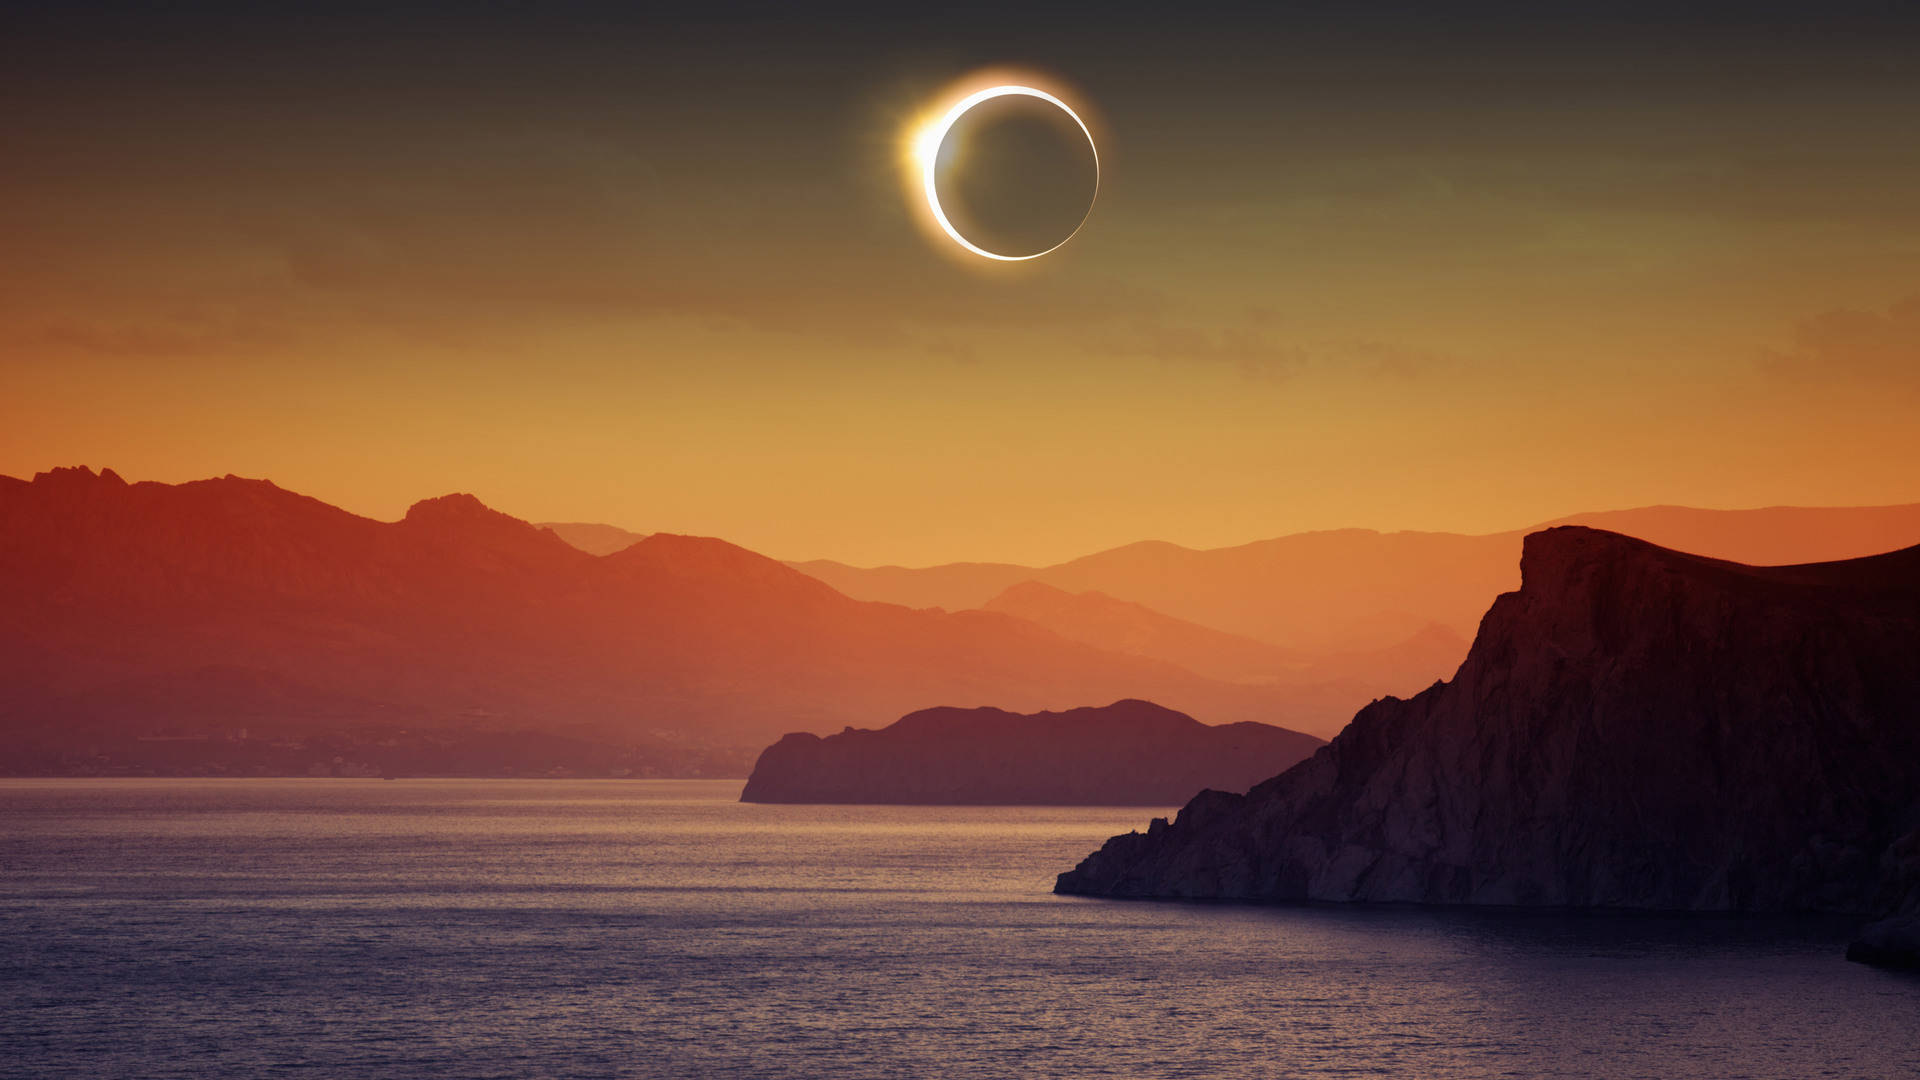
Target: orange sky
1333,279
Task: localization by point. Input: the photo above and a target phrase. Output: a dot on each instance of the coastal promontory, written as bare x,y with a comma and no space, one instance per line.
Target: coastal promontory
1130,753
1633,728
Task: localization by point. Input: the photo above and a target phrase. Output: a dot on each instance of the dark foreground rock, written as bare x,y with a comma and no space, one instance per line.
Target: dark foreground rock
1890,943
1633,728
1894,941
1130,753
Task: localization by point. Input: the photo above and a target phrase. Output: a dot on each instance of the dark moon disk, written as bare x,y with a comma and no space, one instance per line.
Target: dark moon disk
1016,175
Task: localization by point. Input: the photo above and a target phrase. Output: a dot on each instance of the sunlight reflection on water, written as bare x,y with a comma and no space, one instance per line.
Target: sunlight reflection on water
660,929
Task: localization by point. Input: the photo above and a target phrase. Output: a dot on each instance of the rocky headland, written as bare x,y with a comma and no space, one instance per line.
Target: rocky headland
1633,728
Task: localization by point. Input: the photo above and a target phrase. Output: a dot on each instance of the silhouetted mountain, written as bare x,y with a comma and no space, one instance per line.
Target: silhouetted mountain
1774,536
1402,668
592,538
953,586
1356,590
1130,753
149,610
1635,727
1323,690
1099,620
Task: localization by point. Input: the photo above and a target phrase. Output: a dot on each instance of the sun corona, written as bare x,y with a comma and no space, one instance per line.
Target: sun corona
927,154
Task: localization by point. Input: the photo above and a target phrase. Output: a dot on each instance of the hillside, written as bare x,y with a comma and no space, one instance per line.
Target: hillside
1355,590
592,538
148,610
1130,753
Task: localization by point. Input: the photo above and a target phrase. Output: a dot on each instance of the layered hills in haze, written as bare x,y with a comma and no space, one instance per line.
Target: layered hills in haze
137,617
1130,753
1319,685
592,538
1634,727
1338,617
230,620
1352,591
1124,626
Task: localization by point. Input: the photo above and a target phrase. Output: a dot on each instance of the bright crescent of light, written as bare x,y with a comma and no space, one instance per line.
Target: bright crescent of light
936,134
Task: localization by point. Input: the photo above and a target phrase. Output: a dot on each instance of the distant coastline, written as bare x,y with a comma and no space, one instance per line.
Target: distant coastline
369,753
1129,753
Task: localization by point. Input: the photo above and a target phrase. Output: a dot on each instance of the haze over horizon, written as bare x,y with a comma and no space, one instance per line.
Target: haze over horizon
592,268
592,522
230,605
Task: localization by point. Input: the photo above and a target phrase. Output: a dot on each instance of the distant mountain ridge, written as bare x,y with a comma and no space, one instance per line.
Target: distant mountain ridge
1356,591
231,603
1130,753
1098,619
1634,727
952,586
593,538
1334,682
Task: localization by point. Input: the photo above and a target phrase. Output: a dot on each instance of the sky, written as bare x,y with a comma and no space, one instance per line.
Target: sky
1350,265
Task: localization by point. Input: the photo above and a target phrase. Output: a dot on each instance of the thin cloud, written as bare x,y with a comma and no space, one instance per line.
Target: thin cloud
1256,354
1390,359
1259,351
1854,345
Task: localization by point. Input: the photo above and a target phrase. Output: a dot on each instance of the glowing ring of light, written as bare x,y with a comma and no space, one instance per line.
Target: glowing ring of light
934,135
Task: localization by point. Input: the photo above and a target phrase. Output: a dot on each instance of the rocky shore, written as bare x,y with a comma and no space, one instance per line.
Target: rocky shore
1634,728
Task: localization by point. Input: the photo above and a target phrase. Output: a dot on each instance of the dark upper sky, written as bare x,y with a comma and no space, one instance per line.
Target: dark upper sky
1351,264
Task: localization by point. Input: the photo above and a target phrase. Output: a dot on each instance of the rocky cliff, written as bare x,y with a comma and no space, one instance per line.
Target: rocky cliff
1633,728
1894,941
1130,753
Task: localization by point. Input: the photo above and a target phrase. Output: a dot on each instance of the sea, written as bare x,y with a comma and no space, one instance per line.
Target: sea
340,929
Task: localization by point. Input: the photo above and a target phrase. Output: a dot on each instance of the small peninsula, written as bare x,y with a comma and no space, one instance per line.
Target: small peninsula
1130,753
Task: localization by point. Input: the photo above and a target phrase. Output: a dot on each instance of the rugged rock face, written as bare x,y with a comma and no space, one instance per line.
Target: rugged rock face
1633,728
1130,753
1895,940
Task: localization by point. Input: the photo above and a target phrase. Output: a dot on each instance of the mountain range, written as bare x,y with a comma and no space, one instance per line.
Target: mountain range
150,611
136,618
1356,590
1337,617
592,538
1321,688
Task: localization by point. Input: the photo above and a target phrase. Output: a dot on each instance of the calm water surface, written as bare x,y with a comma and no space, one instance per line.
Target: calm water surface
340,929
